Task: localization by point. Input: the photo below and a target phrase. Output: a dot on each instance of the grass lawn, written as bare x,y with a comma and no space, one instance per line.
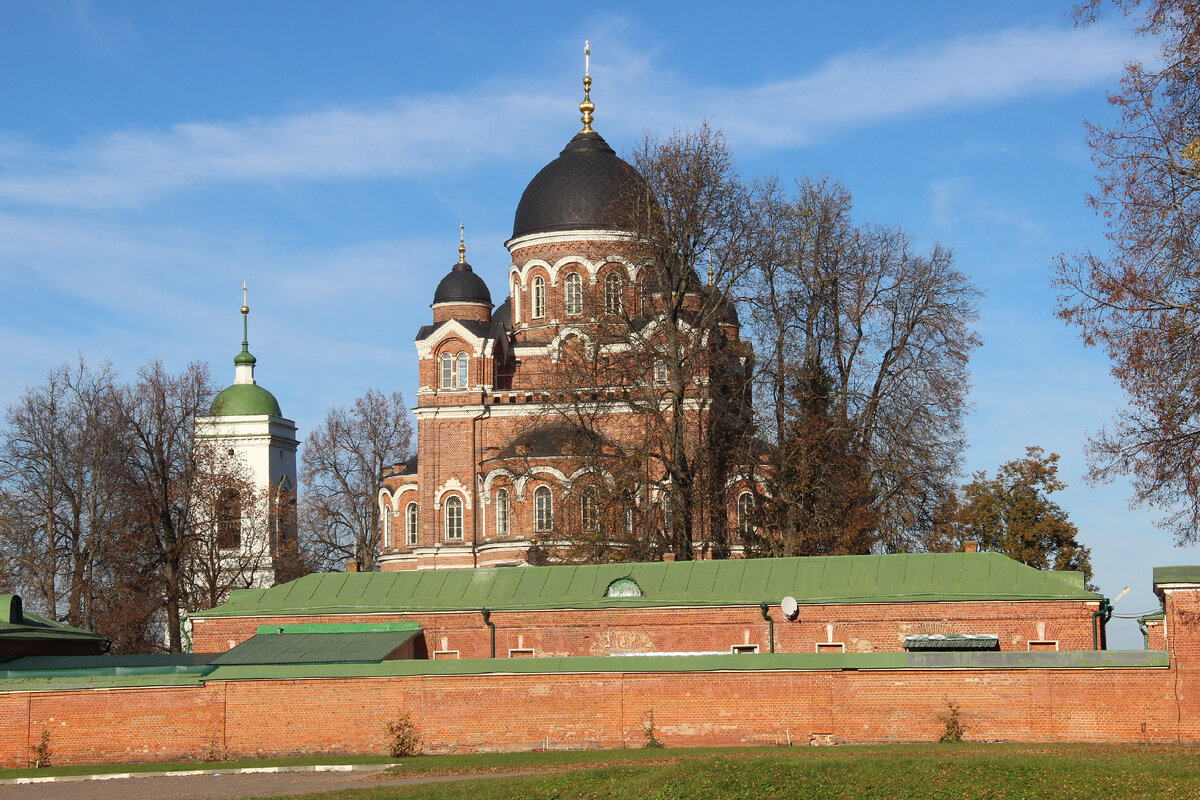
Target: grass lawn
1060,772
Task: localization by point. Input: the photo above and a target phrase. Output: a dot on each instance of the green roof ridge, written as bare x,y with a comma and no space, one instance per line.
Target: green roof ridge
921,577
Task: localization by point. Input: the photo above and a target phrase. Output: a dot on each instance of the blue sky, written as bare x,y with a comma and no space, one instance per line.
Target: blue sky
155,155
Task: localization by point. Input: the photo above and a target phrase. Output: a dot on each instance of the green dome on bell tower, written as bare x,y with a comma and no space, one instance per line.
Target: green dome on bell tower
245,397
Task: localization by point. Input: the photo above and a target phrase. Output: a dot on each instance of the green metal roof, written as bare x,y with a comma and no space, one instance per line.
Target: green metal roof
244,400
1177,574
924,577
315,648
16,623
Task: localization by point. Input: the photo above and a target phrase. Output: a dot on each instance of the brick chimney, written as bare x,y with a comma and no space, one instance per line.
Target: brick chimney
971,546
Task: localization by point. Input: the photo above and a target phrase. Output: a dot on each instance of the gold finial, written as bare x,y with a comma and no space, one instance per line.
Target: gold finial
710,269
462,244
587,106
245,308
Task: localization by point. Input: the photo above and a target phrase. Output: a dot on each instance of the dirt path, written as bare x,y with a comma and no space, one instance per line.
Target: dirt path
221,786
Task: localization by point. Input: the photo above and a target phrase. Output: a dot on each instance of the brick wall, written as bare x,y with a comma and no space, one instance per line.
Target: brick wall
860,628
469,713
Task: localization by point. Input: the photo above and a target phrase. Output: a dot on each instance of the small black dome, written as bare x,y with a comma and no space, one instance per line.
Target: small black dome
575,190
462,285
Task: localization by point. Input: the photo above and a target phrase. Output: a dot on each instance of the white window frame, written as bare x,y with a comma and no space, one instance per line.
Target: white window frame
502,512
543,509
462,369
539,297
614,289
573,294
410,524
589,510
744,524
385,511
516,302
660,371
452,511
447,366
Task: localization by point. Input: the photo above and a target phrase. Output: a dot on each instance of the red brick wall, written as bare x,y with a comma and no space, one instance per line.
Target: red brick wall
861,628
468,713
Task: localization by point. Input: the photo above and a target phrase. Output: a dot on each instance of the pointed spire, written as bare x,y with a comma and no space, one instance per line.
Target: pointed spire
243,362
710,269
462,244
587,106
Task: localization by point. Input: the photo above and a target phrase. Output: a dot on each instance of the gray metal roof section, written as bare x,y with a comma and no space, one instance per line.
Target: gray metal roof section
907,578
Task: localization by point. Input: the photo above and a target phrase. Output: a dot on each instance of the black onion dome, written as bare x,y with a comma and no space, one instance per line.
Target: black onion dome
462,285
574,191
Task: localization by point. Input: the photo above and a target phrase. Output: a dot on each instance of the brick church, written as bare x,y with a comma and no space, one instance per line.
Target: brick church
500,471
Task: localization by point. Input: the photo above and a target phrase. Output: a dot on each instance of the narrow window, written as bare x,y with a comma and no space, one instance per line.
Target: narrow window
745,512
612,294
454,519
462,370
539,297
502,512
516,302
386,513
627,503
660,371
447,371
668,513
410,524
574,292
589,510
543,510
229,520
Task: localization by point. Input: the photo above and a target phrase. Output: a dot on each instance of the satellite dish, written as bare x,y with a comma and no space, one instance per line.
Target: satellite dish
789,607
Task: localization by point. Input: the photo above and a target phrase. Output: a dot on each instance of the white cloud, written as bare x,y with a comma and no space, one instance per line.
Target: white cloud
871,86
442,134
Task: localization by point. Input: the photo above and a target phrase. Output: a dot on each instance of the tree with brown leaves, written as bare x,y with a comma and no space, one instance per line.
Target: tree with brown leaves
862,348
1140,301
1014,515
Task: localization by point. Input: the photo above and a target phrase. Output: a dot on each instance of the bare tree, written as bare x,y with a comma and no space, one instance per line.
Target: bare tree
1140,301
60,452
861,375
164,479
342,466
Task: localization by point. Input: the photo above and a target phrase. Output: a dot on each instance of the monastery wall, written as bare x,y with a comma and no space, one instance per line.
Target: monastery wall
603,709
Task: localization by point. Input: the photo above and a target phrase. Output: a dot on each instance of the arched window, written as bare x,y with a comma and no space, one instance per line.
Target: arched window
516,301
410,524
454,519
668,513
627,507
660,371
539,297
229,520
589,510
543,510
447,371
385,512
462,370
574,293
745,512
502,512
613,286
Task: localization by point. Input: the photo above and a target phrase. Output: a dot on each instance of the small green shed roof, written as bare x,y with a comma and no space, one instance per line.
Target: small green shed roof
16,623
315,648
924,577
